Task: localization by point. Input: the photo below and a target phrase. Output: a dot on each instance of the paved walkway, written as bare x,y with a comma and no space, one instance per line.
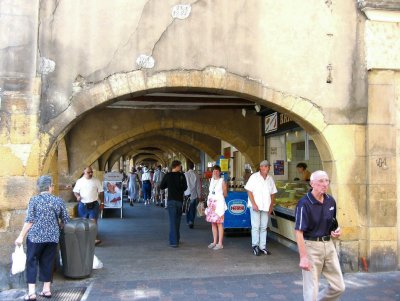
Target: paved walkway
139,265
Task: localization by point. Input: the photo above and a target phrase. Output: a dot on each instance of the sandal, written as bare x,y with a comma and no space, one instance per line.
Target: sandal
31,297
46,294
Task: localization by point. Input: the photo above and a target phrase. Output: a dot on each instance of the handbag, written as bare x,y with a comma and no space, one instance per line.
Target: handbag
90,205
18,260
200,209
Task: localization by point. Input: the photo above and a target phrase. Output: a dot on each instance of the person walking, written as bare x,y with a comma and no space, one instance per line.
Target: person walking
192,193
133,186
88,191
158,176
260,190
146,185
216,208
315,224
175,181
42,227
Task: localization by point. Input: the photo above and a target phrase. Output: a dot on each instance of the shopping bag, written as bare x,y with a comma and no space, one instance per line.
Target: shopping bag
97,264
18,260
200,209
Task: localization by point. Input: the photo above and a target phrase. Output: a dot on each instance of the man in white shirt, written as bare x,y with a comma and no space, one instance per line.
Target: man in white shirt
89,193
260,190
192,193
158,176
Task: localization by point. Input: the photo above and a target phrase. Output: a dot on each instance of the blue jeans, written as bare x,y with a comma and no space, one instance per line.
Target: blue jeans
146,188
191,213
175,214
85,212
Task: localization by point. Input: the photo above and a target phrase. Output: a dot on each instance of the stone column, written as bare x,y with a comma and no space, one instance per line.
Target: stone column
19,132
382,172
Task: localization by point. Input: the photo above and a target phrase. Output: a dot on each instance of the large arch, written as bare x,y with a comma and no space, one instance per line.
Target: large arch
216,80
87,146
341,157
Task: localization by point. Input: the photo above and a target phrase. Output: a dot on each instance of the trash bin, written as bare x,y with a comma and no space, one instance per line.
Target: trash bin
77,247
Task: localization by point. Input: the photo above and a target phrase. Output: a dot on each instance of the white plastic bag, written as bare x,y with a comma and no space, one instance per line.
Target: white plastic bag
97,264
18,260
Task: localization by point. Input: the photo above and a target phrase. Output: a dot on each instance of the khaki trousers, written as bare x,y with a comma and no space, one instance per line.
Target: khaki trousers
323,260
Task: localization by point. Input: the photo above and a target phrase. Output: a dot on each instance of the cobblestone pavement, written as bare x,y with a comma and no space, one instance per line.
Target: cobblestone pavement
139,265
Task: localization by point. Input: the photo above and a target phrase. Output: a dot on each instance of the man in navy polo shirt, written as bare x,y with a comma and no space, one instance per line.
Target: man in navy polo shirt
315,213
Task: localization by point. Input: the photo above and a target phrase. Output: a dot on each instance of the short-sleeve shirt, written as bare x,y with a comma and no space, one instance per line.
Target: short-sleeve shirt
262,190
88,189
313,217
44,212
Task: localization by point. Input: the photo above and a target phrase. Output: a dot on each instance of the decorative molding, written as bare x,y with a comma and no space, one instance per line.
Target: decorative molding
380,10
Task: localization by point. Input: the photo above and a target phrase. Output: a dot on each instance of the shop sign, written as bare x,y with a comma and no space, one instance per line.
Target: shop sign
224,164
276,122
237,207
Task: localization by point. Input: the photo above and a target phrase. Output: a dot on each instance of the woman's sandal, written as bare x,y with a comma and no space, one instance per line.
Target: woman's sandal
45,294
30,297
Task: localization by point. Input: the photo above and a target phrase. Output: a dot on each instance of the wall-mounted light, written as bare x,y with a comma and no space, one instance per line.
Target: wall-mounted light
257,107
244,112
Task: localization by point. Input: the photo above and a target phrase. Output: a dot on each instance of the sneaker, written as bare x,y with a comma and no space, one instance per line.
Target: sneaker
266,252
256,250
218,247
211,245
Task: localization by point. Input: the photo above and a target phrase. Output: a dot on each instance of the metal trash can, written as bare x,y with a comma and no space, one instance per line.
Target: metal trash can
77,242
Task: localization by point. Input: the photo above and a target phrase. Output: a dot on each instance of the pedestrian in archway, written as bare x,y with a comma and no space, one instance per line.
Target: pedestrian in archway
216,208
192,194
133,186
315,225
146,185
43,232
175,181
88,191
261,191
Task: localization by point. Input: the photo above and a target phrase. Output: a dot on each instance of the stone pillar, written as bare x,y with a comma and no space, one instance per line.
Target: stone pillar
382,248
20,147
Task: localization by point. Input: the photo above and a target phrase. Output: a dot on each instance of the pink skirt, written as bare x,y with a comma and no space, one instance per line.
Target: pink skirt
211,216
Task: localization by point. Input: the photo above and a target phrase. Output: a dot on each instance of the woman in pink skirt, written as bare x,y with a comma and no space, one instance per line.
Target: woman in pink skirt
216,208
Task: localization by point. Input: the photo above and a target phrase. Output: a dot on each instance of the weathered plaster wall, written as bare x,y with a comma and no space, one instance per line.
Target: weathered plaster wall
287,45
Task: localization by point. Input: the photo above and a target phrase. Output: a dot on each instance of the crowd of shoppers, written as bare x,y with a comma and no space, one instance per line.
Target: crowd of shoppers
315,219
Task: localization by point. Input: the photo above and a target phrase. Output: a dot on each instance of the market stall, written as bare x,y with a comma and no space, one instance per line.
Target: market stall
283,220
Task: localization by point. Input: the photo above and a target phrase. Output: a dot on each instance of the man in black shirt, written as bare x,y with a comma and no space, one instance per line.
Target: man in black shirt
315,216
175,182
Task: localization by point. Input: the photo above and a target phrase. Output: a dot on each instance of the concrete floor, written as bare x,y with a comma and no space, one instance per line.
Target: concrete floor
139,265
136,248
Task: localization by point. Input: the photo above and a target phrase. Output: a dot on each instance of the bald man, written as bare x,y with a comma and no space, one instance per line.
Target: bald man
88,191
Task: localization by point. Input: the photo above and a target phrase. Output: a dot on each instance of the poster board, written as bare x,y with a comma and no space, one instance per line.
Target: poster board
112,186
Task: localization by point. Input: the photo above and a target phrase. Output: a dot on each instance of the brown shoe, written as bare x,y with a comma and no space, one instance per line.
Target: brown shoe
97,242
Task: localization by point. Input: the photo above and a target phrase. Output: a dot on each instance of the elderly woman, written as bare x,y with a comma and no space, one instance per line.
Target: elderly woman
43,229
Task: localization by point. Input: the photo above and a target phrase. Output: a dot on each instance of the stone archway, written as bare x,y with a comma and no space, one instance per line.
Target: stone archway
341,157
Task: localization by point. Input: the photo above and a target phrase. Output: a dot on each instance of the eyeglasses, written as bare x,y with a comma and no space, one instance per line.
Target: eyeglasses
89,172
324,181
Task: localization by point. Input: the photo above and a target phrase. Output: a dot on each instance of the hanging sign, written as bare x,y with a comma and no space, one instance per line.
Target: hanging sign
224,164
275,122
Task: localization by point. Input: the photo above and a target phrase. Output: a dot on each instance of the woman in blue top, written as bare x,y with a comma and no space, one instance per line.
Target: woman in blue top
43,229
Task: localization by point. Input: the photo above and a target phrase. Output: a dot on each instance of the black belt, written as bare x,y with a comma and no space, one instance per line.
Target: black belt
320,238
